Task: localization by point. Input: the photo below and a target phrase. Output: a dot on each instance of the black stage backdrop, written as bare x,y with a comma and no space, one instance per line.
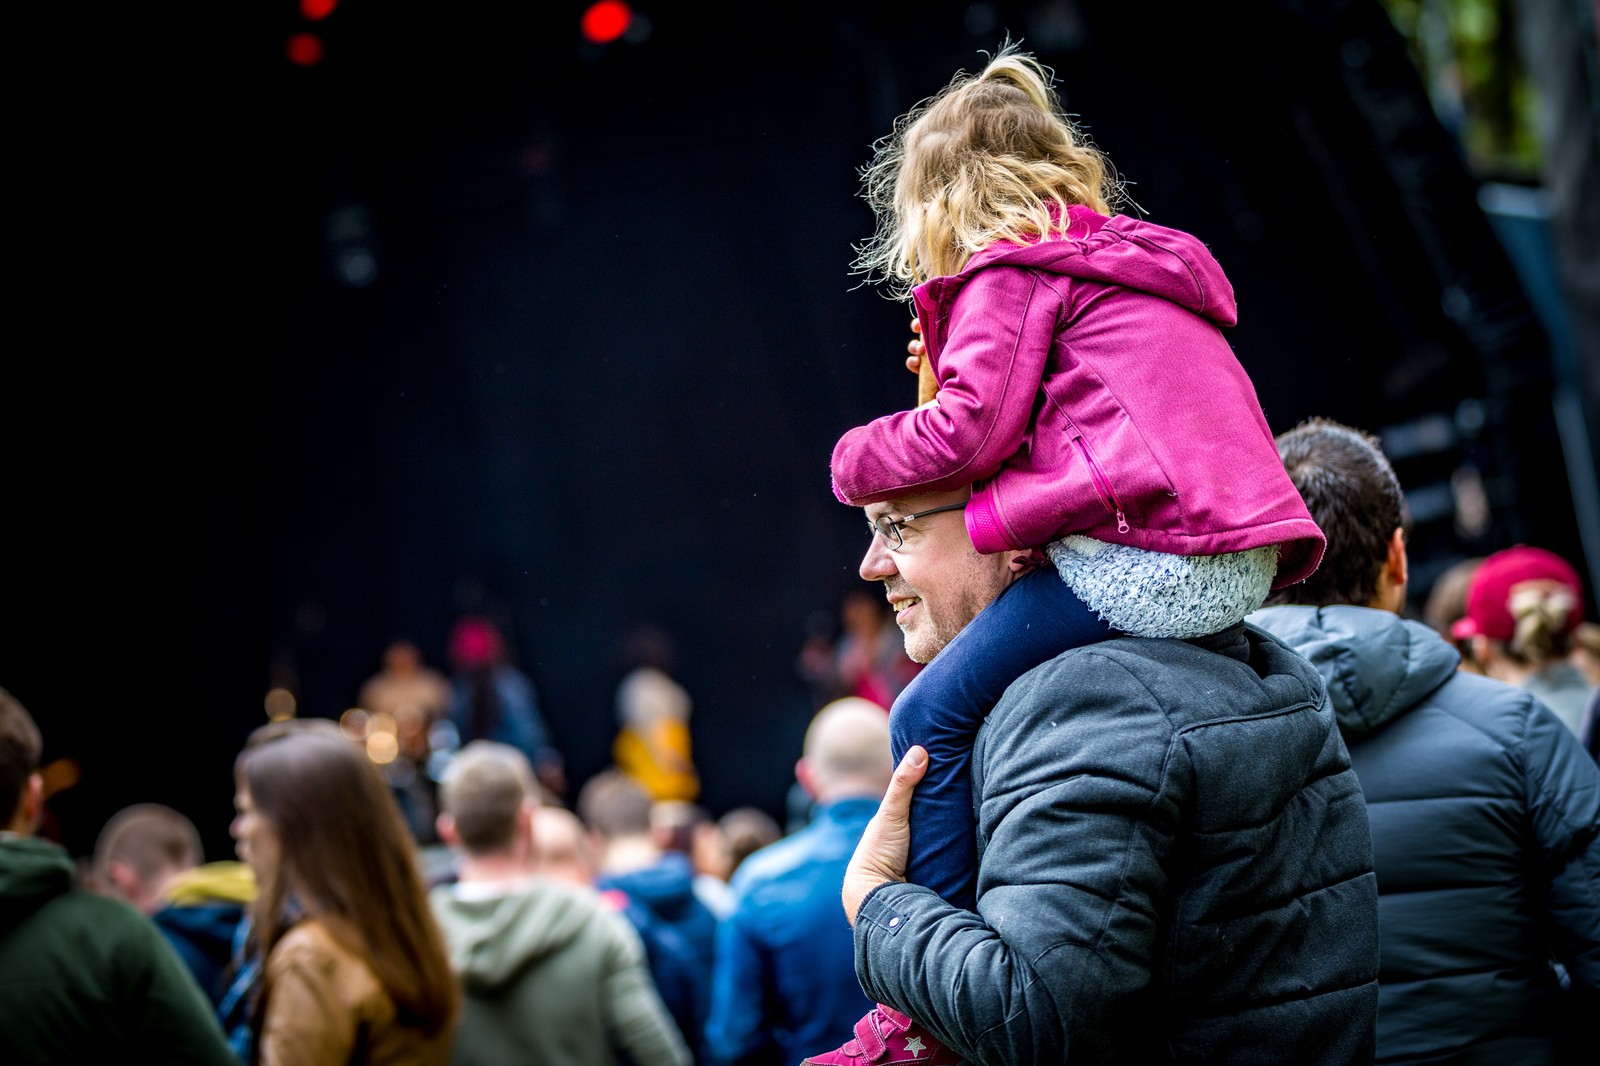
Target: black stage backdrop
472,315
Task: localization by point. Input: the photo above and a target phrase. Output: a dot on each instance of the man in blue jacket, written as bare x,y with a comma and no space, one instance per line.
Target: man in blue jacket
1173,856
654,889
784,981
1485,809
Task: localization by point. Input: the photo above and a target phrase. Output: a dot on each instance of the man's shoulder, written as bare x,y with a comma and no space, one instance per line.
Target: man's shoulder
89,927
1164,670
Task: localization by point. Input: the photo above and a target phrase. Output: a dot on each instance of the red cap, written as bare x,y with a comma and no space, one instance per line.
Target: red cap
1489,594
475,643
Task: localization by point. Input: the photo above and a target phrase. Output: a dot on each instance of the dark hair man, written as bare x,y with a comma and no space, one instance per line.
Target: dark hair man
83,978
1485,810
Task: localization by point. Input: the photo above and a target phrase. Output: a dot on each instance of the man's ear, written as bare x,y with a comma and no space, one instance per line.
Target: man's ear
1397,564
122,879
1390,593
30,807
806,776
446,825
1022,562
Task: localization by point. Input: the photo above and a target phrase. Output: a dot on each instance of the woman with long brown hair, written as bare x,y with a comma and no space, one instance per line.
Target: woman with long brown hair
355,968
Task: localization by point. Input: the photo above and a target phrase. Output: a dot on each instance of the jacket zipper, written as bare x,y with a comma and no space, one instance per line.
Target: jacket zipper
1102,484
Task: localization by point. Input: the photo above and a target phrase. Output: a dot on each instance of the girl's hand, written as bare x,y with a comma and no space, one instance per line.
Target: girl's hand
915,347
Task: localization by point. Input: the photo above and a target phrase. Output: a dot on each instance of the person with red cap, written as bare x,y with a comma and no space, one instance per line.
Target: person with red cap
492,699
1523,605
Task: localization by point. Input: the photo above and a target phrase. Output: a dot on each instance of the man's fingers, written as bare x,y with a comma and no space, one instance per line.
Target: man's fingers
898,797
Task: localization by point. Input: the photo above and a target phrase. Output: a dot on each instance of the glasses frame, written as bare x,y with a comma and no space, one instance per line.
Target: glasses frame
889,528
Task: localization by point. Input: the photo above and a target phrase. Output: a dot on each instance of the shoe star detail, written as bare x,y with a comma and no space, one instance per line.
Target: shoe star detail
914,1045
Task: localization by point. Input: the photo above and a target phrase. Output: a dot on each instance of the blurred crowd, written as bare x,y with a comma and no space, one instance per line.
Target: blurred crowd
419,881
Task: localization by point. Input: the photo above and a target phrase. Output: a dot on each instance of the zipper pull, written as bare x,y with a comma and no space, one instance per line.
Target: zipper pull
1122,522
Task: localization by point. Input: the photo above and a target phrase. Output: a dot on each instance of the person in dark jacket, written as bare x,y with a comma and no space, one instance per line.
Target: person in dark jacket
150,856
654,889
1485,810
1173,855
83,978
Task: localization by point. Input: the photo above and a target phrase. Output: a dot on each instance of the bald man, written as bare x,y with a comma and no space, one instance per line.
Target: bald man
785,979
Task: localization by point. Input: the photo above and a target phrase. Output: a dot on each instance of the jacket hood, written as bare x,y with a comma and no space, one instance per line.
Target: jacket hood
32,873
1168,263
666,887
493,940
214,882
1377,665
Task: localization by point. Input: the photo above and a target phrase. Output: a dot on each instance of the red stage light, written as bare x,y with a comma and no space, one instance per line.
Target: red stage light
606,21
304,49
317,10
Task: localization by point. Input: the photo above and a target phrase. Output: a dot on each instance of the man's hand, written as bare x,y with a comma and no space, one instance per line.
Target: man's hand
881,854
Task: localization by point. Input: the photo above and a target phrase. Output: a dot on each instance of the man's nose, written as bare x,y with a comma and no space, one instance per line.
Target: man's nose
878,563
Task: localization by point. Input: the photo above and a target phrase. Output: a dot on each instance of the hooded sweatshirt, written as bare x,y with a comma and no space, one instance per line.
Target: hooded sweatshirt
679,933
1085,387
86,978
200,918
552,976
1485,815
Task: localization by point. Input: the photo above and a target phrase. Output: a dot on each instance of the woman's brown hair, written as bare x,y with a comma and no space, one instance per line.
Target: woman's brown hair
348,860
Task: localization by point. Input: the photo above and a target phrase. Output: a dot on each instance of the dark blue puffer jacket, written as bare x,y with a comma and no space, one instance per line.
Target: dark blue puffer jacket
1174,866
1485,814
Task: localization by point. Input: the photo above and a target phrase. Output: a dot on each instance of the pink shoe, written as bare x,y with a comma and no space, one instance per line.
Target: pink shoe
887,1037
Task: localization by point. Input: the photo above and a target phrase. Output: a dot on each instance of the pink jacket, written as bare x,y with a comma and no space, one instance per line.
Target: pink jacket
1085,387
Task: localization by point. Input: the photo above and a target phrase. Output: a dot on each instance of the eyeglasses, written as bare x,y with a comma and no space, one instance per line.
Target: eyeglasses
889,528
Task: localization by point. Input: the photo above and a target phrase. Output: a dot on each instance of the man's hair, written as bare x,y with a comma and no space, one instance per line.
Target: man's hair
483,790
747,830
847,746
614,805
20,748
1353,494
149,839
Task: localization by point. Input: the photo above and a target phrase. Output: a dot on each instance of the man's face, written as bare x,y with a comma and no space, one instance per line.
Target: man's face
937,582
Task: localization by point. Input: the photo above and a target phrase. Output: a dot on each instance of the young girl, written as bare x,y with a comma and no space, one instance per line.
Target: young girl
1085,391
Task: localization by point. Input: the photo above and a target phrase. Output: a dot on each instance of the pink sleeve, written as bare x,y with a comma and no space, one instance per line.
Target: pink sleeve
997,341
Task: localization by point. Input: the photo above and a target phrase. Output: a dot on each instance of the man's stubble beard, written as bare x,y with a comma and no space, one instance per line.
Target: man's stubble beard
940,629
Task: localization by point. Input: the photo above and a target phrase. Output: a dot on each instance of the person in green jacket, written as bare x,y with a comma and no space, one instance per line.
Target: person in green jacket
83,978
551,974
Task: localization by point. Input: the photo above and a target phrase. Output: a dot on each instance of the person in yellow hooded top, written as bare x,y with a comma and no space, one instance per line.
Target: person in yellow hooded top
652,745
150,856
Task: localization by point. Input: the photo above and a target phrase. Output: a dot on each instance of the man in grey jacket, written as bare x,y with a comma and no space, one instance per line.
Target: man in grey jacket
1174,862
551,974
1485,810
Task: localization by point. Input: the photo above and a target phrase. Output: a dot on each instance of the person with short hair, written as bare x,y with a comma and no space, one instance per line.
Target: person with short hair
654,889
1174,863
1485,811
151,856
785,980
551,975
83,977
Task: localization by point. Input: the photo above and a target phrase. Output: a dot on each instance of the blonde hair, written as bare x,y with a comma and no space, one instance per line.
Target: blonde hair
1542,614
990,157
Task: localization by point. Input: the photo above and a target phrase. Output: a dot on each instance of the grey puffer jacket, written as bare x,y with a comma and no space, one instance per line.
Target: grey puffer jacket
1485,815
1174,867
